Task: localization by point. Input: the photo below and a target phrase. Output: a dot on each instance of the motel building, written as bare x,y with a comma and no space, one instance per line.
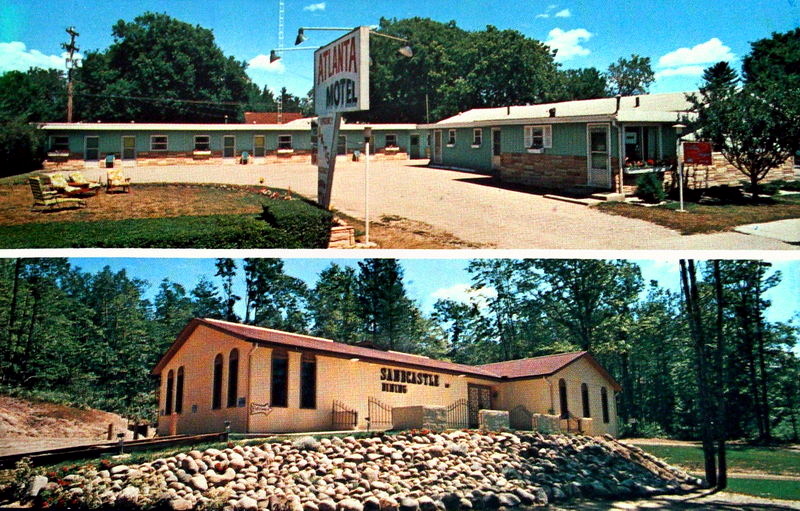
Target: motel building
267,381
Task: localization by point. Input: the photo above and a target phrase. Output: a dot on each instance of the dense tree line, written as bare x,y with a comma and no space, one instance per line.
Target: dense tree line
681,357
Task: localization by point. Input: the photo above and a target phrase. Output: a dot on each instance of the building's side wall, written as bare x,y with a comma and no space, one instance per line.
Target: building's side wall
722,173
463,155
196,357
574,375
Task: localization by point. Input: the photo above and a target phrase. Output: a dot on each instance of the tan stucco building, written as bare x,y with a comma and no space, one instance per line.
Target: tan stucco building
265,381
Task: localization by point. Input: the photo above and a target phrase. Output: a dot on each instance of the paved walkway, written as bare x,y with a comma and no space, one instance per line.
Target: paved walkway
463,203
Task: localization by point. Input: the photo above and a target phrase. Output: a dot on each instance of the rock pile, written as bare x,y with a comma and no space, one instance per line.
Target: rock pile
451,471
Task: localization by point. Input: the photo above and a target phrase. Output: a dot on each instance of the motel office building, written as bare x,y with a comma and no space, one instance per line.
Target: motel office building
268,381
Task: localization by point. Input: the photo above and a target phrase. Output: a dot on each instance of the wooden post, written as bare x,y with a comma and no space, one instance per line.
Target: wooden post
110,435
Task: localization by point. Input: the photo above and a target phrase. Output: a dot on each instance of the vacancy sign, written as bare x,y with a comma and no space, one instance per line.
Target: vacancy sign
697,153
341,84
341,74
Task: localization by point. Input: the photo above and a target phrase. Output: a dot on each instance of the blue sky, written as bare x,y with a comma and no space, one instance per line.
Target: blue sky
426,279
681,36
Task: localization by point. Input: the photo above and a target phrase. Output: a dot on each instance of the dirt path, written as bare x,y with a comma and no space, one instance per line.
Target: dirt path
467,205
705,499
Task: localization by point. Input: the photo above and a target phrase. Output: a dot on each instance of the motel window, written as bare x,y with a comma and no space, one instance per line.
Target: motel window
179,391
216,391
391,140
158,143
538,137
477,137
59,144
233,377
562,397
604,403
284,141
280,379
259,146
170,383
308,381
202,143
451,138
585,400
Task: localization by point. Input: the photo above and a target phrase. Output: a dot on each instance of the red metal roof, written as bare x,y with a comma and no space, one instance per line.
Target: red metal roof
525,368
270,117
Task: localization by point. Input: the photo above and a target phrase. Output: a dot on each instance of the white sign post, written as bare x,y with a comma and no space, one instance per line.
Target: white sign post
341,84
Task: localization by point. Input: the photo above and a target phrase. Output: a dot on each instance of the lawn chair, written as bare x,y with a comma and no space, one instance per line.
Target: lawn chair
49,199
116,179
78,180
59,183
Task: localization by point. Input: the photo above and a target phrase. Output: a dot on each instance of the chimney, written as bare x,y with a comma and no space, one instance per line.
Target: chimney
552,112
619,99
637,102
508,110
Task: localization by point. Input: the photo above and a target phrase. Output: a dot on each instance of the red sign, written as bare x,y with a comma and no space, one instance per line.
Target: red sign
697,153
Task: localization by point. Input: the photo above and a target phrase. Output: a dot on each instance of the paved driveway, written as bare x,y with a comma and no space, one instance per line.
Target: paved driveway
462,203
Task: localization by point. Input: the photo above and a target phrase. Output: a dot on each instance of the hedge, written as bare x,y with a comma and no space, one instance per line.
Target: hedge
306,224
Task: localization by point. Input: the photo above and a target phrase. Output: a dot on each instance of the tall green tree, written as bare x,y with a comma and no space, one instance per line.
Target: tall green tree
630,77
226,270
275,299
206,302
160,69
583,83
37,95
333,305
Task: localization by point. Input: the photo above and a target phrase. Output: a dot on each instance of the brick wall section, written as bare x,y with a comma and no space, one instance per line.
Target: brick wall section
721,173
543,170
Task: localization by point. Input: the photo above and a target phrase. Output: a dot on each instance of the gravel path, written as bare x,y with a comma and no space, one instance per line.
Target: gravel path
463,203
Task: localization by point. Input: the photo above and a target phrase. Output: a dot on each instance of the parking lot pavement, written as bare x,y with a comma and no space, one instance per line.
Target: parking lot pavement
463,203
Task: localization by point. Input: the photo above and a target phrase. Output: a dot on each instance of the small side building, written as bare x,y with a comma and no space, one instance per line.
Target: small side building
269,381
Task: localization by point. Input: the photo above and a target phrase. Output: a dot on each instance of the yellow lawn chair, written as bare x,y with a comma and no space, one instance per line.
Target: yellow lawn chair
48,199
116,179
59,183
78,180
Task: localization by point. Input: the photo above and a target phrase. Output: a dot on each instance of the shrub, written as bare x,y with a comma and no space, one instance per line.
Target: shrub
765,188
21,148
305,223
650,188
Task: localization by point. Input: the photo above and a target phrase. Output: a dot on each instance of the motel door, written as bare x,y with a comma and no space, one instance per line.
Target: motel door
479,397
228,146
598,142
497,148
129,148
414,149
437,146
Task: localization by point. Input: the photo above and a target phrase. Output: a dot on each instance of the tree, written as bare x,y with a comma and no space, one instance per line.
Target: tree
226,269
22,148
333,305
37,95
160,69
774,60
206,302
275,299
629,77
584,83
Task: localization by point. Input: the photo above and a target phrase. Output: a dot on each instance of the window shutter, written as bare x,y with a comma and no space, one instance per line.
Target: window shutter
528,136
547,132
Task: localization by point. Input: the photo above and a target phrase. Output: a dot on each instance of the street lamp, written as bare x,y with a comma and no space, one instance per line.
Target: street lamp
405,51
678,130
367,138
273,54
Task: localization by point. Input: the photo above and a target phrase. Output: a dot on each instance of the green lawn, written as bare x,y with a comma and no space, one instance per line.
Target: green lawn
769,488
741,458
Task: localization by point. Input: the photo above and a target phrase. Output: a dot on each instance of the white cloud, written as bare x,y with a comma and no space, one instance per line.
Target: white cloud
709,52
568,43
15,56
546,13
543,15
564,13
465,293
681,71
315,7
262,63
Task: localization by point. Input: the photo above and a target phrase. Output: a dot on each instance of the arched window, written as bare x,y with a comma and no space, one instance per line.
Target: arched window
562,398
604,403
308,381
233,378
216,391
280,379
170,382
179,391
585,400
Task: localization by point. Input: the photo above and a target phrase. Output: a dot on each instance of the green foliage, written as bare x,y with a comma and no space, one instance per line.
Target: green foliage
160,69
650,187
741,458
630,77
305,223
37,95
774,59
584,83
276,300
765,487
21,479
22,148
333,304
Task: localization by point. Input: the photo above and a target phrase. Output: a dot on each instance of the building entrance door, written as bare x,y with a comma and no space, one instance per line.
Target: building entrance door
497,148
414,149
479,397
437,146
228,146
129,148
599,155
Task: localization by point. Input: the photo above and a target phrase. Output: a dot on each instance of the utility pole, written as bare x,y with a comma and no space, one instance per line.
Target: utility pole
71,65
280,45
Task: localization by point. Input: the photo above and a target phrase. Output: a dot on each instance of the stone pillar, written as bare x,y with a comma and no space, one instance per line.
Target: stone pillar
493,420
